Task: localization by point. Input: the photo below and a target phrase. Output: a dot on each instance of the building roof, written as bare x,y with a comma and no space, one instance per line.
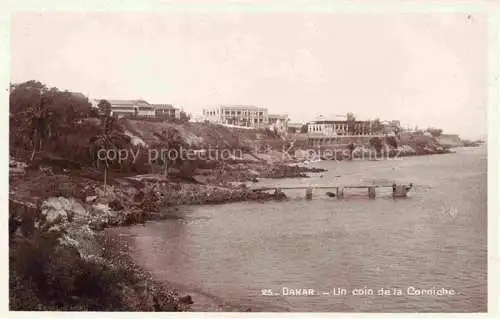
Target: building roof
121,102
127,102
278,115
242,106
163,106
336,122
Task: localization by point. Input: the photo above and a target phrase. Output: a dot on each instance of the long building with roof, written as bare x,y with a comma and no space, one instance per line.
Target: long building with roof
241,115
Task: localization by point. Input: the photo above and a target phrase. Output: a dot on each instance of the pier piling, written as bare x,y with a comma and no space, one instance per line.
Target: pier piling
340,192
309,193
371,192
397,190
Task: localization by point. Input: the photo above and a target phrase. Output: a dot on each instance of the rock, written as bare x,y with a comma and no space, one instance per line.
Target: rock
139,196
69,216
46,170
16,167
101,215
90,199
186,300
63,209
115,205
253,172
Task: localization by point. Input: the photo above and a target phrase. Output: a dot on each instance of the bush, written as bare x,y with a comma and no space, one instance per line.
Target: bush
376,143
392,141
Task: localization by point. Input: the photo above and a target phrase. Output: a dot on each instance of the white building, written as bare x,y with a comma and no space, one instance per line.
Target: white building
273,118
121,108
241,115
339,128
166,111
197,118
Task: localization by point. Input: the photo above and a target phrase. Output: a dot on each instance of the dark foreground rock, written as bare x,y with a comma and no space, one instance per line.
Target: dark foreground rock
57,262
189,194
251,172
288,171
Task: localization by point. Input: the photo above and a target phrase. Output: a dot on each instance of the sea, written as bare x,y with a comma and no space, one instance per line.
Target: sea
423,253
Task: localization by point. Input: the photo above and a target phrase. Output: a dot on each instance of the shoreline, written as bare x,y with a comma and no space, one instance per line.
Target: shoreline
202,301
78,171
127,203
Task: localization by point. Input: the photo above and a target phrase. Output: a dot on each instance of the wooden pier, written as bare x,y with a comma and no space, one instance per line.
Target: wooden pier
397,190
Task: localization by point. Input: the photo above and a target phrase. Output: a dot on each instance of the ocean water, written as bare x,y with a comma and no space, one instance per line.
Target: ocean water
375,250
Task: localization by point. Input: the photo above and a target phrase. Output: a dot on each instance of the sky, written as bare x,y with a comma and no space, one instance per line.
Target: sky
429,70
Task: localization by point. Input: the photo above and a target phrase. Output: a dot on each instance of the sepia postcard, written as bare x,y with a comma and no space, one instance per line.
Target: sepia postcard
249,157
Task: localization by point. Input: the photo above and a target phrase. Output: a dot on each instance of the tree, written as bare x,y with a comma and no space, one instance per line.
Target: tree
26,104
303,129
351,123
376,143
39,114
171,143
397,131
93,113
184,117
48,120
351,148
165,135
104,107
434,131
377,126
392,141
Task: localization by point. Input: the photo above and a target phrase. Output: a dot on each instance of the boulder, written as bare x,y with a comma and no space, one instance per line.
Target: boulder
70,217
186,299
90,199
63,210
17,167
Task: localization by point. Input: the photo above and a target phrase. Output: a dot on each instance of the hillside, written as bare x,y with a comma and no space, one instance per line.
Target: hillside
450,140
267,146
202,135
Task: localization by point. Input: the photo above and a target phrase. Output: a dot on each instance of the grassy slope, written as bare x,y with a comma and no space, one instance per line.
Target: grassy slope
203,135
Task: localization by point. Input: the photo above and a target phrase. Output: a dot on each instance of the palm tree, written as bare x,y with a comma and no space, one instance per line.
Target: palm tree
105,107
351,120
102,141
377,126
351,148
165,135
38,118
